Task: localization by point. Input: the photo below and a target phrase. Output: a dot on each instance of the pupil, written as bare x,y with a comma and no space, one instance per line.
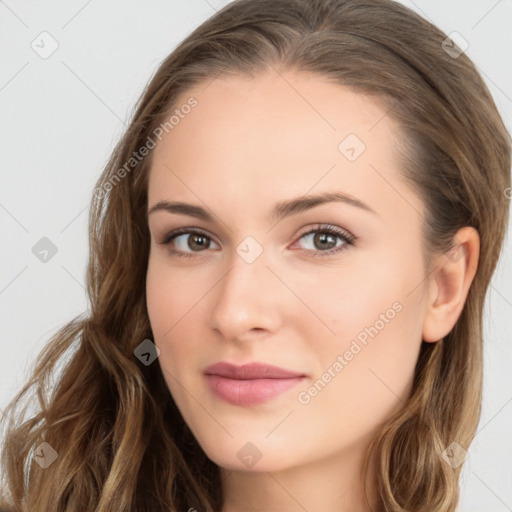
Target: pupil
199,245
322,238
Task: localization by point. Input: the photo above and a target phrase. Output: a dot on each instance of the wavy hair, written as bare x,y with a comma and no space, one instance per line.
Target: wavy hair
122,444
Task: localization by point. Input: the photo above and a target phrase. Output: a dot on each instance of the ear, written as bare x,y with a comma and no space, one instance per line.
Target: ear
449,284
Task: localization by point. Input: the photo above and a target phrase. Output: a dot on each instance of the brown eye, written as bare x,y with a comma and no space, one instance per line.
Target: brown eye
197,242
185,242
326,240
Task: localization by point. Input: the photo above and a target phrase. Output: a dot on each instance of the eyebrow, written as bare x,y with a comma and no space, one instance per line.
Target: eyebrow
280,210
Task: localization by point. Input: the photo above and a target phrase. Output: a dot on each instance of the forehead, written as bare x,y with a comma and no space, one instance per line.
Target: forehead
276,135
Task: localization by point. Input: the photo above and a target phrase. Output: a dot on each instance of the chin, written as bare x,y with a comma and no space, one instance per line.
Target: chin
256,456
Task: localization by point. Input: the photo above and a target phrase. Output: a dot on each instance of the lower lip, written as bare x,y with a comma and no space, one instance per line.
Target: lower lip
249,391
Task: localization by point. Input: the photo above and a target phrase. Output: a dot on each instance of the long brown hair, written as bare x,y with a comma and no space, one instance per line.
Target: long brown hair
122,444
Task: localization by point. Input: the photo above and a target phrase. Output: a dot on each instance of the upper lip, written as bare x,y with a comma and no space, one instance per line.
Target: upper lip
250,371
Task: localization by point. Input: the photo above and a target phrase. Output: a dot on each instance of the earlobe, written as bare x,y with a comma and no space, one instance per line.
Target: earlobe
449,284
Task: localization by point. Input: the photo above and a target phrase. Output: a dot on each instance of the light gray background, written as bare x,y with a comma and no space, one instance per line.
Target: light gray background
61,117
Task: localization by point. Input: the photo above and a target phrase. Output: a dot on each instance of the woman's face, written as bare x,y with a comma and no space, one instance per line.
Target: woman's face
331,290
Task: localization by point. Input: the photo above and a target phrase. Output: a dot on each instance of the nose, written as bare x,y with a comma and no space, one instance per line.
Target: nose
250,300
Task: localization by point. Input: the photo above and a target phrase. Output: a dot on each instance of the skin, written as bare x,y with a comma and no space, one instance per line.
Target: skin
248,144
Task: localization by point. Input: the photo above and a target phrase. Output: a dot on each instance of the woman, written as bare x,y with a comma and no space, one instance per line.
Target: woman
290,251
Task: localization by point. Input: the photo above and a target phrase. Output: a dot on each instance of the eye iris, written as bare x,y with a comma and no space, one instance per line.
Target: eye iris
321,238
203,243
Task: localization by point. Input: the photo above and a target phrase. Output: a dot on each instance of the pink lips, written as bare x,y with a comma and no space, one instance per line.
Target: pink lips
251,383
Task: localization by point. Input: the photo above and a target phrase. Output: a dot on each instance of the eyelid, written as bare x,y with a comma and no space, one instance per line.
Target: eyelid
343,233
182,231
337,231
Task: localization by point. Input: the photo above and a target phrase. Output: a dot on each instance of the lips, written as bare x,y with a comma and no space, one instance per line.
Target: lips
250,371
251,383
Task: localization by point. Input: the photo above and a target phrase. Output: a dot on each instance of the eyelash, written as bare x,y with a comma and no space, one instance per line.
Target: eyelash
348,238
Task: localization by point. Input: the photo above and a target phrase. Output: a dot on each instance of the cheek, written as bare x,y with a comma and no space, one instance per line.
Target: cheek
174,304
372,318
169,295
364,373
160,304
370,292
167,306
343,302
